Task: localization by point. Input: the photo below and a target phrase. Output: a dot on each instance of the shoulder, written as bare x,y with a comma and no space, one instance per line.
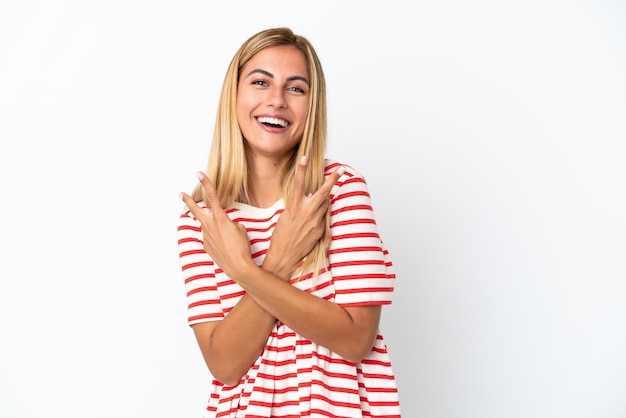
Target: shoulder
331,165
351,185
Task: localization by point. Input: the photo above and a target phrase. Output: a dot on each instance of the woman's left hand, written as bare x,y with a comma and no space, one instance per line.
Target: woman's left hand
301,224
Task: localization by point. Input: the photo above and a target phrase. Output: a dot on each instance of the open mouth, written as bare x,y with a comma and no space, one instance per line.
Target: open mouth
273,122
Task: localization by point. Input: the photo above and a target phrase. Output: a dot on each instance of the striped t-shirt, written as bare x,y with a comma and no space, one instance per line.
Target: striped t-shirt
294,376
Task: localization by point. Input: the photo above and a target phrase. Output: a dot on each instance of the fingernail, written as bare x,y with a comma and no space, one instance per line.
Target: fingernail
180,195
341,170
309,195
303,160
200,175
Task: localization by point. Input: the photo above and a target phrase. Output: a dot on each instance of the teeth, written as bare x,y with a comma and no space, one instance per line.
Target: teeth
273,121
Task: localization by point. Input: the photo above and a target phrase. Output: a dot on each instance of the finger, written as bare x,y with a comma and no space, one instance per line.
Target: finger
192,205
300,176
213,201
330,181
321,196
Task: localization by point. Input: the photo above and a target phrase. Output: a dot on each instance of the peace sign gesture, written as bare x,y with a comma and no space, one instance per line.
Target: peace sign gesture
224,240
300,225
299,228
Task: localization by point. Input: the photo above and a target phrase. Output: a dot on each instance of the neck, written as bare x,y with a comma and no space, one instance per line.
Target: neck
265,181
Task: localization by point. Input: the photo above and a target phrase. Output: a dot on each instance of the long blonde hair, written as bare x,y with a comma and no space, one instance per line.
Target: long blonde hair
227,168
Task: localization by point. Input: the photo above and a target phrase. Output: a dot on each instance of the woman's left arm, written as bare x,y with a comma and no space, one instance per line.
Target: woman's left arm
349,331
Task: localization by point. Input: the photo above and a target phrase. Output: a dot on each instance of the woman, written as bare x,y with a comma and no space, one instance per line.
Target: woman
284,269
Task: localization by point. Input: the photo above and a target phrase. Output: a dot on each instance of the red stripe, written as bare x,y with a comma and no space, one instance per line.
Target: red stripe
202,289
197,277
354,222
351,208
189,227
356,249
364,289
198,264
196,317
356,235
186,240
358,263
192,252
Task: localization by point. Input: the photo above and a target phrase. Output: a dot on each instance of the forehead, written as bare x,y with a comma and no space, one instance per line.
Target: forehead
284,60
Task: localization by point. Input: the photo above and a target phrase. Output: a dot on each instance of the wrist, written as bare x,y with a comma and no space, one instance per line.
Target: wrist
271,265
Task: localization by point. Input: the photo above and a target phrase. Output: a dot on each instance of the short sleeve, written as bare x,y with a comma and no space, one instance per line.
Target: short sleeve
198,270
362,271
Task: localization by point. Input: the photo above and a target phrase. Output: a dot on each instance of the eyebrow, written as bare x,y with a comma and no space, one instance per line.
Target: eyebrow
270,75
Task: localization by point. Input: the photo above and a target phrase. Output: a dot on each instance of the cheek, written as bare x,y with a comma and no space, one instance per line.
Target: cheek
302,111
241,104
243,119
243,109
245,99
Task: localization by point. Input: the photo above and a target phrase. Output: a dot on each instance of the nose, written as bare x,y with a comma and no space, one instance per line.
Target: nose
277,97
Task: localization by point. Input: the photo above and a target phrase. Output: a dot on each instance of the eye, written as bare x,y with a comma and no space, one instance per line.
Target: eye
296,89
259,83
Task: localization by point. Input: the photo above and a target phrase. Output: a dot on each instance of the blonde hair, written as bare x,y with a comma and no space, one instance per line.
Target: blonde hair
227,168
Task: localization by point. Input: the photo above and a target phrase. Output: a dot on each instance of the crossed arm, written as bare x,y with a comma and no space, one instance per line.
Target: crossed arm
232,345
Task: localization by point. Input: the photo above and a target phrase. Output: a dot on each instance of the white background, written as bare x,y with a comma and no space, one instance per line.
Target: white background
492,137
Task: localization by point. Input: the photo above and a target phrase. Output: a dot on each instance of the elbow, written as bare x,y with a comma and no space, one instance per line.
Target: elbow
356,356
226,376
228,382
359,338
223,369
358,350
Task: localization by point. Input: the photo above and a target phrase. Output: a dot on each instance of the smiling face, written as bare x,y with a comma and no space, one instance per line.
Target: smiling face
273,101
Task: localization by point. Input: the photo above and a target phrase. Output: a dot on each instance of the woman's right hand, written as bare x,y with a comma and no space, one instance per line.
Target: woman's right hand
301,224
